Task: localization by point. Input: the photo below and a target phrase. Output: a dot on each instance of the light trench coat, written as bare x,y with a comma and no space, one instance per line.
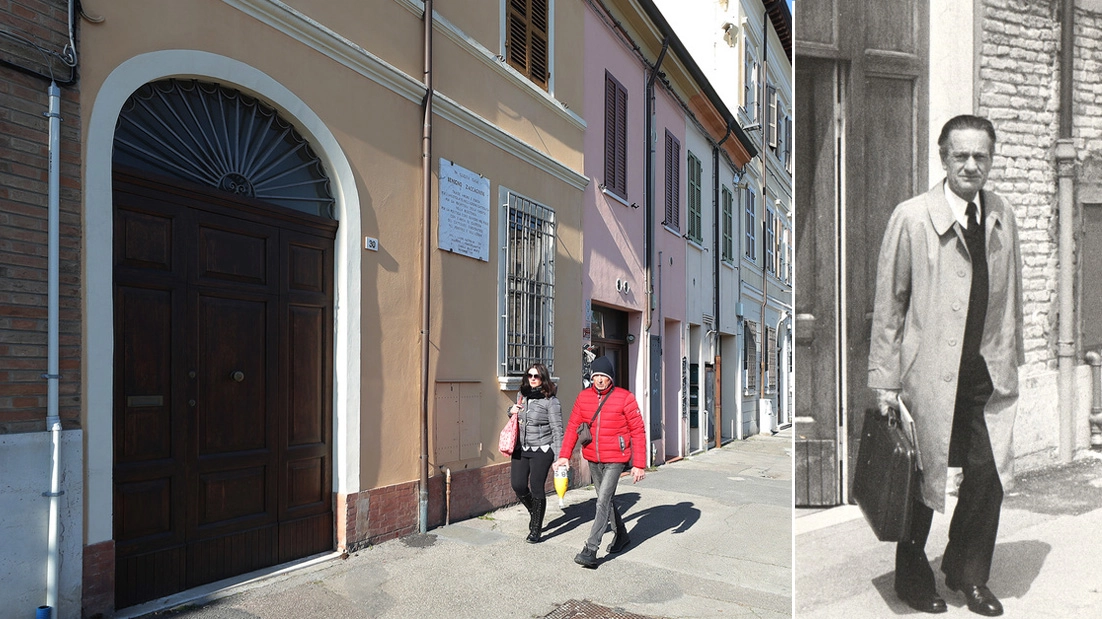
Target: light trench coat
922,284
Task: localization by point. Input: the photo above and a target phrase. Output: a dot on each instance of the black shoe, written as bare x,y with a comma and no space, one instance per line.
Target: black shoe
926,602
587,558
619,541
980,599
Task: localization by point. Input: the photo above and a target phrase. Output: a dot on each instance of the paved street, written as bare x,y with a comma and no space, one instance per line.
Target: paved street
1046,565
711,537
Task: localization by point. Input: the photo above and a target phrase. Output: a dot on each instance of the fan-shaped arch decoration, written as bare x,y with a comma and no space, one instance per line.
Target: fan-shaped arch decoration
208,134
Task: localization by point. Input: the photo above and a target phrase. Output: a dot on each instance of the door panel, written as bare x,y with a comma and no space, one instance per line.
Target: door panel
861,104
223,387
817,270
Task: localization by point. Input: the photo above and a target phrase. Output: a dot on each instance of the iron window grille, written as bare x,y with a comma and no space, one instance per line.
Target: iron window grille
769,360
528,295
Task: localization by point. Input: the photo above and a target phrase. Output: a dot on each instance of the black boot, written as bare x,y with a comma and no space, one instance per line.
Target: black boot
528,503
535,525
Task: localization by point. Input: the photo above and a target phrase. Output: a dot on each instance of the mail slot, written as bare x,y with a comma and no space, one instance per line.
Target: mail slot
138,401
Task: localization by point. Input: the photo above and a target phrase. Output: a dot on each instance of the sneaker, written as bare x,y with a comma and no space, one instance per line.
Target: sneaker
587,558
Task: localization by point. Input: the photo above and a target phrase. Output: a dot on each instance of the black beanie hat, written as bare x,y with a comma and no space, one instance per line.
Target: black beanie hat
602,365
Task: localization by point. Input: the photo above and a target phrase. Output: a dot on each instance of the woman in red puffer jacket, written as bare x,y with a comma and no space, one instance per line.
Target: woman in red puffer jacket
619,441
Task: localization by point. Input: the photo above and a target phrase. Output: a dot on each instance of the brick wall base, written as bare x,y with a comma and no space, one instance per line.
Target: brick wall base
98,582
381,514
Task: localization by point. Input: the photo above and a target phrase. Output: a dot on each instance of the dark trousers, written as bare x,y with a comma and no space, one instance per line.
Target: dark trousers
528,473
975,522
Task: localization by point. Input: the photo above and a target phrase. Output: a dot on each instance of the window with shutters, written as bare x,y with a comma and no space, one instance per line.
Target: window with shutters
527,44
616,136
787,155
770,242
750,86
750,357
673,182
696,232
728,225
771,112
750,210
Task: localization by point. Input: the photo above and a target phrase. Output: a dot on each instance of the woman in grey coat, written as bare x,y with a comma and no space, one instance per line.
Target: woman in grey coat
538,442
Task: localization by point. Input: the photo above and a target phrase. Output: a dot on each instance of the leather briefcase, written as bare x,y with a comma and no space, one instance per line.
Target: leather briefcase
886,475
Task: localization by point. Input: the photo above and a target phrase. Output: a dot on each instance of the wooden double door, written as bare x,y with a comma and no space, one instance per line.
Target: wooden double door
223,387
861,113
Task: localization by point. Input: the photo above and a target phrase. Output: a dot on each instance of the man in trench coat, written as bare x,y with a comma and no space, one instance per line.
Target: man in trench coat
947,340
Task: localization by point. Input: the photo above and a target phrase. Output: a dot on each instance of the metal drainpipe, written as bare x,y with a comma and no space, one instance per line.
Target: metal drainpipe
1065,166
53,418
653,386
426,255
763,121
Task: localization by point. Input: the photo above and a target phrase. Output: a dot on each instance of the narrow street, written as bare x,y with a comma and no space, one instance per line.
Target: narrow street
711,537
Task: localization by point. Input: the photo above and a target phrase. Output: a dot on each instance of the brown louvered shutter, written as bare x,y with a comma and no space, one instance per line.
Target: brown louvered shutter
616,136
673,181
526,41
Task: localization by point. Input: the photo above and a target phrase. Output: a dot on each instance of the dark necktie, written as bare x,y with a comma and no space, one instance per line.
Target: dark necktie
973,217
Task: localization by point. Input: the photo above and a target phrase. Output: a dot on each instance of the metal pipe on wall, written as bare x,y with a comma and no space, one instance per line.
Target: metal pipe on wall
426,255
53,418
1065,169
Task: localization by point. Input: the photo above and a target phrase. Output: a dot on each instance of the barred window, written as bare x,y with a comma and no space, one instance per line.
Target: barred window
696,231
528,285
770,359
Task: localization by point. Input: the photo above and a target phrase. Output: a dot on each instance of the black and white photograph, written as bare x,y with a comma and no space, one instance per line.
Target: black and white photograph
948,332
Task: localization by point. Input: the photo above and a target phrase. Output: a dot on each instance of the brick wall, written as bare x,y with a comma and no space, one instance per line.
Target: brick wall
1019,92
98,598
24,142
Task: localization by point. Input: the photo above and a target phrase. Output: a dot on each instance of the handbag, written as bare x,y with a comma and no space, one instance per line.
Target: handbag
507,440
585,436
886,478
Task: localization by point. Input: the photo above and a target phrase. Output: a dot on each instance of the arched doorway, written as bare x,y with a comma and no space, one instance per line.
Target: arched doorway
223,298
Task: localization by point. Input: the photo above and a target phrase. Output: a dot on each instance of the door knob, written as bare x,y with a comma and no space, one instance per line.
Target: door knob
238,376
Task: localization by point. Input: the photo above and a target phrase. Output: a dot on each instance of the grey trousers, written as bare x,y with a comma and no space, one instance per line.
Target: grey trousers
605,476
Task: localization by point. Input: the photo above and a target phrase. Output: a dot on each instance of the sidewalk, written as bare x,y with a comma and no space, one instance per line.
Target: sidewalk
1048,559
711,537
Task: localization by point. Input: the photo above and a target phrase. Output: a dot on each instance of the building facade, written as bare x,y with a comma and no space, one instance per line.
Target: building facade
282,330
745,49
663,156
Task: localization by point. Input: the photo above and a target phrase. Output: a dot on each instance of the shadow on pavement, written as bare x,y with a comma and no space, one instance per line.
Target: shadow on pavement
1015,566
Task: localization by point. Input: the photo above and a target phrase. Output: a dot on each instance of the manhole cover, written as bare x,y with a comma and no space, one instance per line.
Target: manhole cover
584,609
